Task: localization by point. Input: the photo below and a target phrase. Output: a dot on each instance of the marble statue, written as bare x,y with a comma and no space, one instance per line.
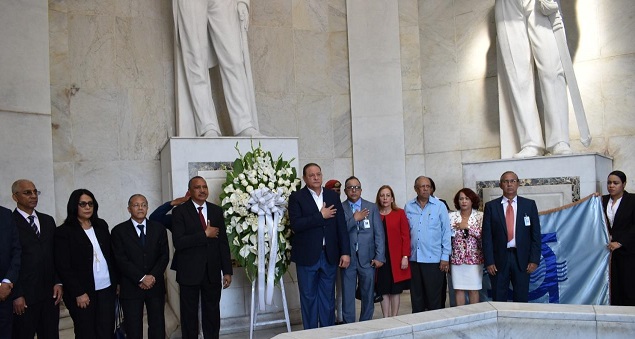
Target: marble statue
527,36
210,33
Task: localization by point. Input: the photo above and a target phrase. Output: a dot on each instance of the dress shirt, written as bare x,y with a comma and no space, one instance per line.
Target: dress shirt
511,243
318,198
429,231
26,217
135,224
100,266
203,211
611,208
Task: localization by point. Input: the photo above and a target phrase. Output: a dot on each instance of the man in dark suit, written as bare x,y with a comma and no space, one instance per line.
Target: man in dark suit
9,269
320,243
368,242
38,291
511,241
140,247
201,254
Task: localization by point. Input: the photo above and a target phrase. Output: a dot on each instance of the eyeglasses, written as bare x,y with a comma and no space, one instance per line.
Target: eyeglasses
29,193
86,203
353,188
511,181
139,205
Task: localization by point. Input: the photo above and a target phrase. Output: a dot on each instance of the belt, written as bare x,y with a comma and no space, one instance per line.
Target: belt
511,249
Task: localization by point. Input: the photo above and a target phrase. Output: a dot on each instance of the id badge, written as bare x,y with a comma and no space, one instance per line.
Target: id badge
366,223
527,221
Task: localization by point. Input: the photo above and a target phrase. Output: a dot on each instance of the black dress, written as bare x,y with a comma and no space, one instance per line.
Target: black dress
384,281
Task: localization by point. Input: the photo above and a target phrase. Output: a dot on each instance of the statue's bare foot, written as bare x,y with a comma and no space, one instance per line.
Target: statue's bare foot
250,132
211,133
529,151
561,148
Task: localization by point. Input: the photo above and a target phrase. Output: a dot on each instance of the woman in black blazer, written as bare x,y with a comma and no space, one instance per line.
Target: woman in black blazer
619,207
85,266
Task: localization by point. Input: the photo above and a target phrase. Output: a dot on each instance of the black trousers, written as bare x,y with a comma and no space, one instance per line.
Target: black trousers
6,317
426,287
209,293
514,273
133,313
97,321
42,318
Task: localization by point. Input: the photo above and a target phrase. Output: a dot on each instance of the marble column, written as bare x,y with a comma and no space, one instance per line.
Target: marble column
376,95
25,100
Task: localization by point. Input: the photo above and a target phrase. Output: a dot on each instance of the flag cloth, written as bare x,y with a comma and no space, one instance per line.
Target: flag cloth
574,267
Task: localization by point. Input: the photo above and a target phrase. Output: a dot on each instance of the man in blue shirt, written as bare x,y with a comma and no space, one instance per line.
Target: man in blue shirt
429,246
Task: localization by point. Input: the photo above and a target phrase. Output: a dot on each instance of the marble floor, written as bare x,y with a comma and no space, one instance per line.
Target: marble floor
265,333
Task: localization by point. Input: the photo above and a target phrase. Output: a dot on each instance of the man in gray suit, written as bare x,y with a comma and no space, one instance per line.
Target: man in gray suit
366,233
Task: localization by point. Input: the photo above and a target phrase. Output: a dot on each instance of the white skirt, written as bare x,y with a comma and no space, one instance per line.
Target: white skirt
467,277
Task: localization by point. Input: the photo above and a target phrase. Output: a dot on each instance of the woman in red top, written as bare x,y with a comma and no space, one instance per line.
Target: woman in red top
394,276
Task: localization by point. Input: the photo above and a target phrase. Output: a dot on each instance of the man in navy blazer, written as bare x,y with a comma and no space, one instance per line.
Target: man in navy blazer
9,269
511,256
140,247
201,254
38,291
319,245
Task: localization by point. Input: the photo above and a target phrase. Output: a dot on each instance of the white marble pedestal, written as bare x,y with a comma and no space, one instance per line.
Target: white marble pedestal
552,181
183,158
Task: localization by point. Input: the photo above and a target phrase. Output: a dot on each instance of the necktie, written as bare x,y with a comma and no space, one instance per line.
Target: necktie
33,225
200,216
509,219
142,235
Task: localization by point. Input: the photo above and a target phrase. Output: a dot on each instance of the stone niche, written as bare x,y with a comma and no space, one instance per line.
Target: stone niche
551,181
183,158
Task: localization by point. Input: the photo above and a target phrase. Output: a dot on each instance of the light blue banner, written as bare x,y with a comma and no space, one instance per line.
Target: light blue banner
574,267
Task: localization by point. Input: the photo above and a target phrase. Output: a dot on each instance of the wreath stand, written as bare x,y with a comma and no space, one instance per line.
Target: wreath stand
253,322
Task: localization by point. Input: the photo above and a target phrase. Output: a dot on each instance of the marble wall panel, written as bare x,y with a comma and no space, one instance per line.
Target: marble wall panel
24,57
61,124
142,8
440,114
326,164
311,63
272,59
26,153
483,154
475,39
446,171
91,7
94,118
277,114
270,13
341,125
408,13
64,174
58,48
338,63
478,118
92,50
410,55
621,149
582,28
143,124
139,177
138,55
310,15
315,126
616,27
437,34
589,76
413,122
342,169
618,92
337,15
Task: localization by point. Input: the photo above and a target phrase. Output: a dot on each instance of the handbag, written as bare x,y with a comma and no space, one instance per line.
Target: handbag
119,332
